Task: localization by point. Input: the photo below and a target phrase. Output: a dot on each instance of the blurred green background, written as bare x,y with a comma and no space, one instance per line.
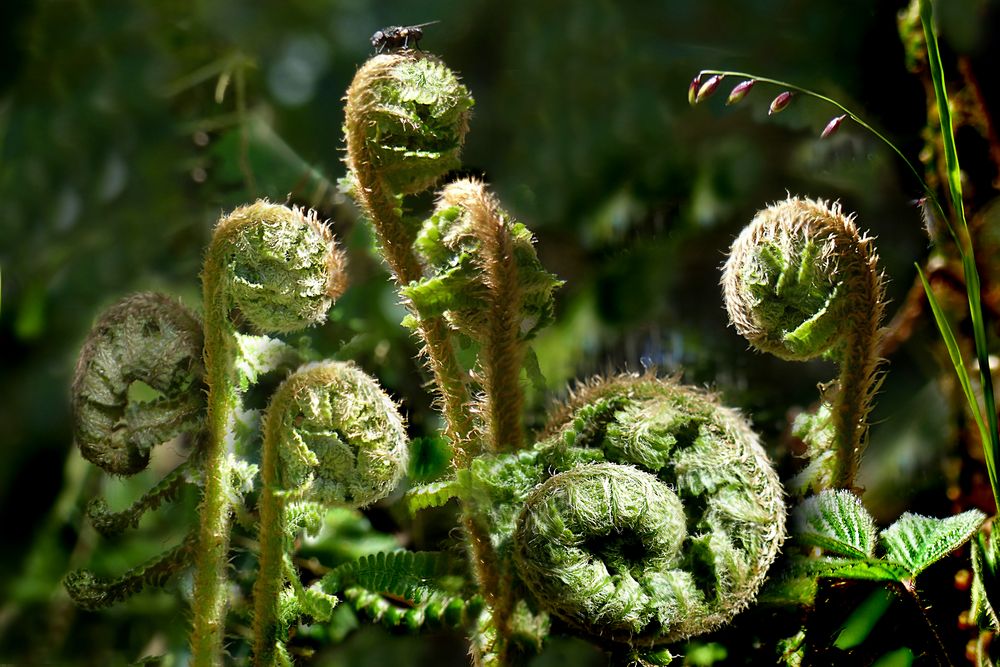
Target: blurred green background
126,128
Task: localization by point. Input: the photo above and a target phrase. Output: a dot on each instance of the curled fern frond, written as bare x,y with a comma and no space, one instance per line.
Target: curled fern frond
405,122
340,439
332,437
276,269
626,463
484,278
138,382
484,274
92,592
278,265
406,118
802,282
799,278
612,535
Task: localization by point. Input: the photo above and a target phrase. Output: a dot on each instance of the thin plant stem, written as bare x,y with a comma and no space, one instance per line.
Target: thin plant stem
270,576
931,195
907,589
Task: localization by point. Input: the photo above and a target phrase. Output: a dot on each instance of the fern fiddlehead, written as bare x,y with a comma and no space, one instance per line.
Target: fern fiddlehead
484,278
144,339
801,282
647,513
332,437
138,383
279,269
405,123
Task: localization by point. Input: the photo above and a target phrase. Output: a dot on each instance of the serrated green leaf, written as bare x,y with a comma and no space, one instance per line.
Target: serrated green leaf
917,542
866,569
837,522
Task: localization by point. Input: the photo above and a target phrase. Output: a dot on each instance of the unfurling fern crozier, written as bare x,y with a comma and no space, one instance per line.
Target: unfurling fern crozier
332,438
801,282
648,514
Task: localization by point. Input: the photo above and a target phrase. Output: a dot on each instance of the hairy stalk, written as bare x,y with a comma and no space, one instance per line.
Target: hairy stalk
210,579
800,283
858,380
380,203
503,355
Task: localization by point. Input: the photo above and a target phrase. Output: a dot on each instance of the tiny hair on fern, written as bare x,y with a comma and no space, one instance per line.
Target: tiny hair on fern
405,122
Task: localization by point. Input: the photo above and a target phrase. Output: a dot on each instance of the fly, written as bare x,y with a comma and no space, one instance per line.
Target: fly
399,36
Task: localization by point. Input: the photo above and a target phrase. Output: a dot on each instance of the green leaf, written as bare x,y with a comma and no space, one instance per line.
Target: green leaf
964,242
916,542
984,580
434,494
955,354
837,522
405,574
789,592
865,569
